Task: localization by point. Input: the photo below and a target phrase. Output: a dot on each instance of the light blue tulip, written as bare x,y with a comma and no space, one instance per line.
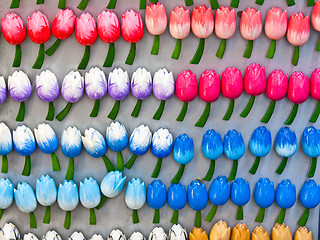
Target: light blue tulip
6,194
112,184
6,146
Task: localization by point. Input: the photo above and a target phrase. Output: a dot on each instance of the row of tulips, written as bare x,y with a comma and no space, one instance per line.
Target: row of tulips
156,195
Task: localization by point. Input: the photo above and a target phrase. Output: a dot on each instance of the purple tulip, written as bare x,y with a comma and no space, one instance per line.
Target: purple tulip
3,90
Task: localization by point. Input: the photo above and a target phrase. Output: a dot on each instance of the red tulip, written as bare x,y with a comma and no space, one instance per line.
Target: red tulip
298,92
156,22
209,91
315,93
186,90
86,35
225,26
62,28
315,20
132,31
275,27
277,87
109,31
39,32
179,27
14,32
250,28
298,33
232,87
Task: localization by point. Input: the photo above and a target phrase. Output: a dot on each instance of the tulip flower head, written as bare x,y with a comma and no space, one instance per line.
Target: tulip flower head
177,232
3,90
6,195
9,232
29,236
220,230
281,231
117,234
240,231
6,146
315,93
198,234
96,237
197,199
315,20
77,235
311,147
240,195
158,233
259,233
177,199
52,235
156,198
303,234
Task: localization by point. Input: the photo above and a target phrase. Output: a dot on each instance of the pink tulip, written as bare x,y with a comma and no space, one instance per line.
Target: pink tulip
298,92
209,91
298,33
275,27
225,27
250,28
186,90
315,93
255,83
179,27
277,87
156,22
315,20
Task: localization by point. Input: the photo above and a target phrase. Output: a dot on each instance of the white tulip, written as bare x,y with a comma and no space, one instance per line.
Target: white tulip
9,232
29,236
77,236
177,233
137,236
96,237
116,234
51,235
158,233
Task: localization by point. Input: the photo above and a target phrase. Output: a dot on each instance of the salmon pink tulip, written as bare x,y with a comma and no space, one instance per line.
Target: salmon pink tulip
298,92
109,31
277,87
225,27
315,93
179,27
315,20
156,22
250,28
275,27
186,90
255,83
298,33
14,32
209,91
132,31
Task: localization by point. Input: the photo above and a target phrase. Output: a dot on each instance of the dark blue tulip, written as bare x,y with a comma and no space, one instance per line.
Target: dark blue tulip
212,145
311,147
177,199
240,195
233,145
260,142
156,194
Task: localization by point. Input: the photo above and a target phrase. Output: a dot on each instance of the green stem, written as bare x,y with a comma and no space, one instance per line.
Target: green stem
83,4
295,58
115,110
64,112
120,164
93,219
154,1
110,56
4,166
40,59
33,220
21,113
183,112
212,213
318,45
247,53
1,213
290,3
313,167
304,218
204,117
281,216
221,48
135,216
50,114
177,50
108,163
179,174
15,4
198,55
17,56
157,169
156,216
27,166
248,108
62,4
282,165
188,2
131,54
214,4
156,44
136,110
229,112
95,109
316,113
310,3
197,220
233,172
70,170
240,213
67,220
175,217
259,2
40,1
272,48
159,111
292,115
268,115
112,4
260,215
56,44
131,161
85,59
102,201
55,162
255,166
143,4
235,3
210,172
47,215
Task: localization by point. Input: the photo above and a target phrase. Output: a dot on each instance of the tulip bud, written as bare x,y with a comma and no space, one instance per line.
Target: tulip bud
158,234
220,231
240,232
177,232
29,236
311,147
9,232
303,234
137,236
6,195
315,20
315,93
96,237
76,236
198,234
116,234
281,232
260,234
6,146
51,235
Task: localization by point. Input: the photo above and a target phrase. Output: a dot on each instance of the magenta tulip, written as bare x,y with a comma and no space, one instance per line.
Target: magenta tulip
315,93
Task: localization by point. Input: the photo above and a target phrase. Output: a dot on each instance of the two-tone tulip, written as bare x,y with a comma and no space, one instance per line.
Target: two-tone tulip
177,232
6,195
315,93
6,146
315,20
156,198
9,232
311,147
303,234
177,199
240,195
3,90
197,199
281,232
220,231
240,231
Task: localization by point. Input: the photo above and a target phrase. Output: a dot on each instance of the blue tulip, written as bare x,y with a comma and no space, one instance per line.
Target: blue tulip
177,199
309,197
264,196
156,198
233,147
112,184
311,147
219,193
68,199
286,146
26,201
285,197
212,148
6,194
6,146
197,199
46,193
90,196
240,195
183,151
260,146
